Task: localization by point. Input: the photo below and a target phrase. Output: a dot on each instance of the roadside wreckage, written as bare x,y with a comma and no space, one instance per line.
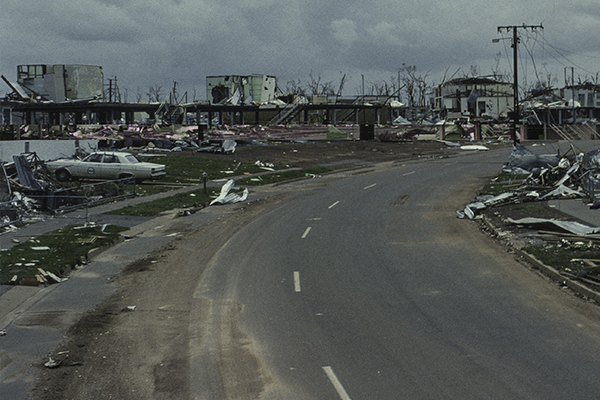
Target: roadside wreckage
29,189
543,177
227,196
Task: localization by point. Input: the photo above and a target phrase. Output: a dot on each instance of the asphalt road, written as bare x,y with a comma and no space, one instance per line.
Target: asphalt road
369,287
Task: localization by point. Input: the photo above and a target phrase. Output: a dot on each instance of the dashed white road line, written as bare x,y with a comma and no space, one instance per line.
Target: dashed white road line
336,383
370,186
334,204
409,173
305,234
297,281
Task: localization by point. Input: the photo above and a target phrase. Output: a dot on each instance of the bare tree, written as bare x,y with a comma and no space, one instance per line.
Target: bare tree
381,88
154,94
315,87
139,95
295,87
415,86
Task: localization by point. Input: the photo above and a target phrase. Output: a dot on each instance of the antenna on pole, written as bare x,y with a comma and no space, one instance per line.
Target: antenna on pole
515,42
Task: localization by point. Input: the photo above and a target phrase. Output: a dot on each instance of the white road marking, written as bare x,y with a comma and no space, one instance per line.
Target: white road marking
334,204
297,281
306,232
370,186
409,173
336,383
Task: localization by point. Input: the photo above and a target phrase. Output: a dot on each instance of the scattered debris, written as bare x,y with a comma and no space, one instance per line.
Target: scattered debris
473,147
225,197
265,166
40,248
573,227
52,363
55,278
225,146
534,177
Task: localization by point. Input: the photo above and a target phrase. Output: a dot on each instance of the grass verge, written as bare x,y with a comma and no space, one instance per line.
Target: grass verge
56,252
192,199
190,169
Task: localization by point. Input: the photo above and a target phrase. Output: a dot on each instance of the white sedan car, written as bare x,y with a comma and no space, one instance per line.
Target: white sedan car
106,165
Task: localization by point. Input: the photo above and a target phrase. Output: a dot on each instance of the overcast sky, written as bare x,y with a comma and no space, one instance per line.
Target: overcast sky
154,43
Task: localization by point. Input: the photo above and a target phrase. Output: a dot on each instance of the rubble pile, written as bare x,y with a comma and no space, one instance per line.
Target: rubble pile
543,177
570,247
29,190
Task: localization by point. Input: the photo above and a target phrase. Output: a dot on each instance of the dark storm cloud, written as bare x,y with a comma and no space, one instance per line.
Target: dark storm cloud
149,42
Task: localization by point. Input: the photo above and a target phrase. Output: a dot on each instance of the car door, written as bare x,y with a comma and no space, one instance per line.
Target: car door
90,167
111,166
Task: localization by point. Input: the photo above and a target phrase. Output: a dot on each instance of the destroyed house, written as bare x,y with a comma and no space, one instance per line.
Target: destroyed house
58,83
586,94
475,97
237,89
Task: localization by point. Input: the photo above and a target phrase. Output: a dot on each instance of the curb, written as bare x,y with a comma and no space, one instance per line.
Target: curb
553,274
547,270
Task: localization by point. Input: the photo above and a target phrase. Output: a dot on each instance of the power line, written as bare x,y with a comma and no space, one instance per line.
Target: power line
515,43
560,51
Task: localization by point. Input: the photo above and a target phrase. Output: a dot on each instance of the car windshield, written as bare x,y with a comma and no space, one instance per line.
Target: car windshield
132,159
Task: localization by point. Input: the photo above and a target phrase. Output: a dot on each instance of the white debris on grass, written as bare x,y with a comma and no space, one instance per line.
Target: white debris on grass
225,197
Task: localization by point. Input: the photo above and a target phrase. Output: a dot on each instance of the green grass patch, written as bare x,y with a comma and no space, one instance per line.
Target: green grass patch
195,198
57,251
560,257
150,189
503,183
535,209
276,177
190,169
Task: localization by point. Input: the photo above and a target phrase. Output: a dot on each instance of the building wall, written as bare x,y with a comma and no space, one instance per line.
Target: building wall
62,82
494,99
241,89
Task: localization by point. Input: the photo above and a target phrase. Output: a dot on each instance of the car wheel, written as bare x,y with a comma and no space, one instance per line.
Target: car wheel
63,175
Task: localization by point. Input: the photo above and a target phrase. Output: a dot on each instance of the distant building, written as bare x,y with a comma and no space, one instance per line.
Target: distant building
586,94
475,97
237,89
60,82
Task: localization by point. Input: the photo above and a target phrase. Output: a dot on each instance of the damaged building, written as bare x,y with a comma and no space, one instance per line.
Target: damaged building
238,89
475,97
58,82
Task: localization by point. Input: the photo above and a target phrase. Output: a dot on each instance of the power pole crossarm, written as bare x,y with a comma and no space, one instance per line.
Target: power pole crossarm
515,42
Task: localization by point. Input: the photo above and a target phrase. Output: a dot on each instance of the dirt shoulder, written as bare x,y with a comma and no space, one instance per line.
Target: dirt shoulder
134,345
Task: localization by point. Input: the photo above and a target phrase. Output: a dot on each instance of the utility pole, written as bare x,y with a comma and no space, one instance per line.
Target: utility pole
515,42
572,91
